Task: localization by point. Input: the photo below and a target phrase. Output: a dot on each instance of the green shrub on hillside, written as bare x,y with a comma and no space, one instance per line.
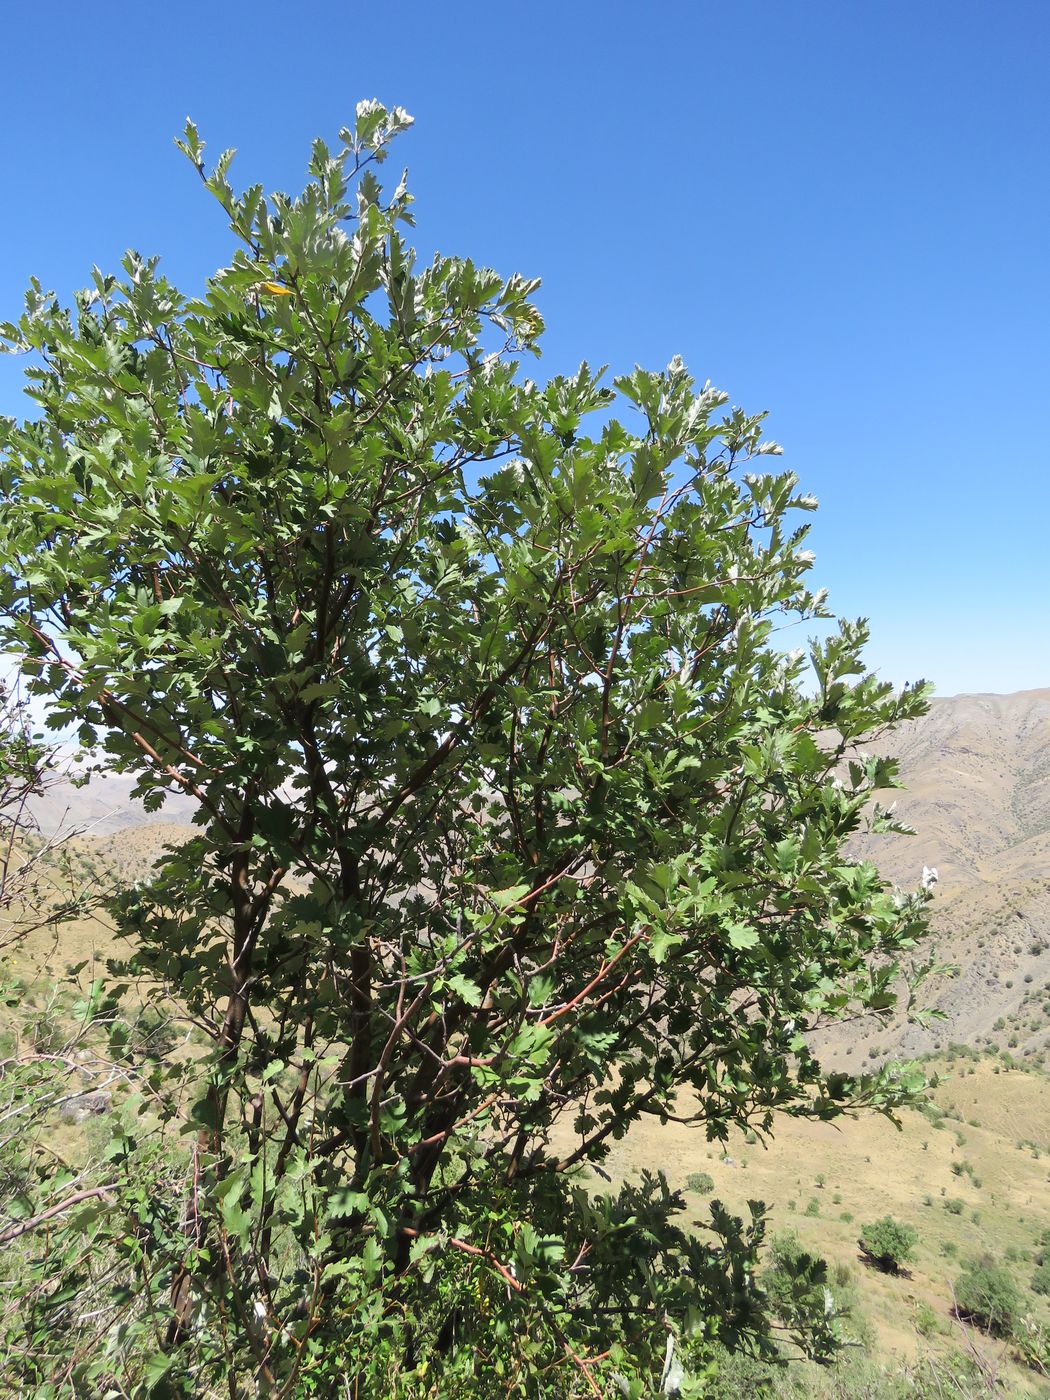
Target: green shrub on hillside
504,796
796,1284
888,1243
701,1182
986,1294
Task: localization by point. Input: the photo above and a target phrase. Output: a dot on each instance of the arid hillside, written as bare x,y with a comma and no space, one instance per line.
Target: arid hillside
977,772
977,776
104,806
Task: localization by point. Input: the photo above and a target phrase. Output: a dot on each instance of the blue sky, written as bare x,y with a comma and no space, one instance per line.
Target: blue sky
836,211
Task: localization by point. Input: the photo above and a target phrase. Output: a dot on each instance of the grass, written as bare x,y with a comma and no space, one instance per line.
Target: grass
875,1169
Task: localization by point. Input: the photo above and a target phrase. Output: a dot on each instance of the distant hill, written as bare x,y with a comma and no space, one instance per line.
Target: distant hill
977,771
977,776
105,806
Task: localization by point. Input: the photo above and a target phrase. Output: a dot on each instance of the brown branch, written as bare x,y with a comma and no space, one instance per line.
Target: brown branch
487,1254
602,972
24,1226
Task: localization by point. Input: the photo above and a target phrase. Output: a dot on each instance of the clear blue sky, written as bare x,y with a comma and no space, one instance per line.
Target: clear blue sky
834,210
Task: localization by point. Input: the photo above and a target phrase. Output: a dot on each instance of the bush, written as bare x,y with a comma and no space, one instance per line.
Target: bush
986,1294
1041,1280
700,1182
796,1283
927,1323
888,1243
476,684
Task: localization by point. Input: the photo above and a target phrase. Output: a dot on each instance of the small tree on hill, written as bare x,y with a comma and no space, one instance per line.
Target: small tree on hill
797,1287
888,1243
515,827
986,1293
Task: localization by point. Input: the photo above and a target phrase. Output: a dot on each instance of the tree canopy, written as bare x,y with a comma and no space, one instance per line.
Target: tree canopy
888,1243
515,823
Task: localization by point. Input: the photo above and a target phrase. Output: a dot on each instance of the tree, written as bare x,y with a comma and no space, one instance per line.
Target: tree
1041,1279
797,1287
985,1293
888,1243
24,763
516,827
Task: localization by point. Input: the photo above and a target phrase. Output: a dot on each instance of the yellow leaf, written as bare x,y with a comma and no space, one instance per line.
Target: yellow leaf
276,289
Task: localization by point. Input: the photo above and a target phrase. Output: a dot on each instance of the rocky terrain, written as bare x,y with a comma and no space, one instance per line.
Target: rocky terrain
977,777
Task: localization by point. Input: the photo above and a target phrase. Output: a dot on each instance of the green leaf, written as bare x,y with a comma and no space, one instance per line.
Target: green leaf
741,935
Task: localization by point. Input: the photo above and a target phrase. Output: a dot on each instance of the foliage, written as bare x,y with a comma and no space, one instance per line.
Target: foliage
1031,1340
701,1182
1041,1279
514,823
888,1243
796,1284
986,1293
853,1377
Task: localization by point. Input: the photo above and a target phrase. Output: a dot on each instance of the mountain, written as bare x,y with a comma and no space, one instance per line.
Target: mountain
103,807
977,775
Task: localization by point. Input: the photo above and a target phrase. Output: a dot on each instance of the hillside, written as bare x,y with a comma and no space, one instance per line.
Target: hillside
977,777
104,806
970,1176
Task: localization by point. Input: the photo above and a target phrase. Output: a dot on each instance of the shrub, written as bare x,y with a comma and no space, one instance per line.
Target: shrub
1041,1280
475,683
927,1323
796,1281
888,1243
986,1294
700,1182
